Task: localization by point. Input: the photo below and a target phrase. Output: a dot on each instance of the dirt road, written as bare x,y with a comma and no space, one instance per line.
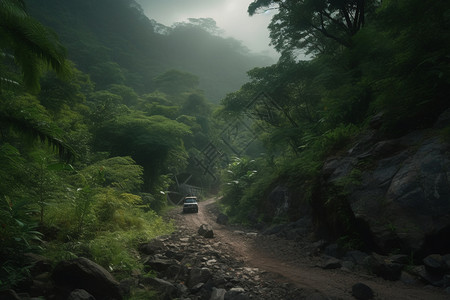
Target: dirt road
287,263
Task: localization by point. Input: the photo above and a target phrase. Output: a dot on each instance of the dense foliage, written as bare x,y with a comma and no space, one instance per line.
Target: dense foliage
87,154
365,58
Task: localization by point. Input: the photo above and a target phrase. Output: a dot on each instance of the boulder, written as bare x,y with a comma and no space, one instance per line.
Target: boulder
356,256
222,219
275,229
81,273
80,294
166,289
446,259
198,275
408,278
434,263
39,264
126,284
236,293
334,250
196,288
152,247
332,263
159,264
218,294
443,120
400,259
173,271
206,231
382,267
427,277
362,292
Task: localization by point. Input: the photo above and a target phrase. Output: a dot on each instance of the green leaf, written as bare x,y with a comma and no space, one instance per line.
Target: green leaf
60,167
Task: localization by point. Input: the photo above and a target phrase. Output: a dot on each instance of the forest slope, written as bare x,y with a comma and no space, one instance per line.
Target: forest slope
117,39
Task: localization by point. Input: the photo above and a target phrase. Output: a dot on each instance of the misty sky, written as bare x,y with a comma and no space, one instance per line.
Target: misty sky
230,15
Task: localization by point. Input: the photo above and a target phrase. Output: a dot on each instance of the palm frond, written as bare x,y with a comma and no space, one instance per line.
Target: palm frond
40,130
32,44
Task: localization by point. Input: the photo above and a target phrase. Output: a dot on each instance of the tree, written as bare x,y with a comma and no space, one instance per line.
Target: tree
154,142
121,173
32,44
207,24
302,24
174,82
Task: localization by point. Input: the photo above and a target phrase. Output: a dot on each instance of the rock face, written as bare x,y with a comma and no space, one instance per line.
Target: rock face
81,273
399,188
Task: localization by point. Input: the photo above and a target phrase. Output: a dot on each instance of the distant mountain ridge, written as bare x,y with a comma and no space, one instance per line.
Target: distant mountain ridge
117,39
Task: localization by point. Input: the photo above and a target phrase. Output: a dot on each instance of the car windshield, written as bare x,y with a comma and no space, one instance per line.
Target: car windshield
189,200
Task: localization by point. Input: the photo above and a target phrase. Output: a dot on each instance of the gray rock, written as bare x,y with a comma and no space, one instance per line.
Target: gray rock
199,275
126,284
152,247
399,259
446,259
159,264
80,294
332,263
426,276
376,121
356,256
446,281
173,271
196,288
334,250
348,265
218,294
236,293
434,263
206,231
181,288
443,120
276,229
222,219
237,290
362,292
408,278
167,289
81,273
39,264
381,266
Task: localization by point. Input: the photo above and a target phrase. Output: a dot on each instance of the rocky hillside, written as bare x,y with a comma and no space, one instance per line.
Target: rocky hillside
386,195
398,189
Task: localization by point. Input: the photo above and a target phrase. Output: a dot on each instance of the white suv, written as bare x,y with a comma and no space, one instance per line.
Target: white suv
190,204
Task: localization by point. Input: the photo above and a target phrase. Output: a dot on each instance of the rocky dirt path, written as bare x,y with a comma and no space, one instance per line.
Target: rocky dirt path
269,262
